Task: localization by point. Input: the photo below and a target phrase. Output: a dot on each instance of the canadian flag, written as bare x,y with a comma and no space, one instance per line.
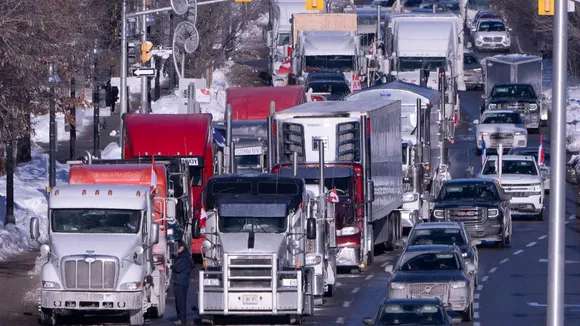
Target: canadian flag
541,154
333,196
455,119
202,219
285,68
153,183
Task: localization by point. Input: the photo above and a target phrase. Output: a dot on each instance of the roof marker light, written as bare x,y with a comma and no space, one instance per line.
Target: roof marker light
56,192
138,194
84,193
110,193
96,192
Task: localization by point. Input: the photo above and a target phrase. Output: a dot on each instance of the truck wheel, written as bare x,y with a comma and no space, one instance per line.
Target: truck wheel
295,320
390,243
137,317
467,315
207,319
331,290
540,217
47,317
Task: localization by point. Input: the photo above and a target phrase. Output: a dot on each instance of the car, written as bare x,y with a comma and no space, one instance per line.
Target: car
491,35
425,311
473,75
483,14
521,179
521,97
447,233
497,127
434,271
331,90
480,203
544,168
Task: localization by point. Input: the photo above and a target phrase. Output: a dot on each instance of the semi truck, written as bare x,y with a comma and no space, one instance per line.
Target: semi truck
362,145
254,248
516,69
100,253
421,143
188,138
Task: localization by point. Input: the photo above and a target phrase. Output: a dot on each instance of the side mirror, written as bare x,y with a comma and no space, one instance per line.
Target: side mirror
154,234
476,122
429,198
35,228
400,243
456,320
171,208
473,29
368,321
389,269
195,232
542,97
475,242
370,197
484,96
311,228
510,29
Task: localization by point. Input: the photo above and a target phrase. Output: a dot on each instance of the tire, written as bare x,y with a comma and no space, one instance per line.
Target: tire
47,317
159,311
295,320
207,319
467,315
540,217
390,243
371,255
508,239
330,292
137,317
308,305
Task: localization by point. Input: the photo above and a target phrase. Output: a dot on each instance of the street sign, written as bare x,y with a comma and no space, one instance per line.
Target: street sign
547,7
144,72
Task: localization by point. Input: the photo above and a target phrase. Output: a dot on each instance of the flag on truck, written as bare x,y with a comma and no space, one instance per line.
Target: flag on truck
541,154
202,219
482,150
153,183
333,196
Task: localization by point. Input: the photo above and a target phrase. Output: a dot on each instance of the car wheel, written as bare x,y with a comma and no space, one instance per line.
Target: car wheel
467,315
540,217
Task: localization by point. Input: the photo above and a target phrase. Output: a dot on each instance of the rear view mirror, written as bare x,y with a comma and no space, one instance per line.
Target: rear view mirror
470,267
170,208
475,122
510,29
195,232
469,45
389,269
154,235
400,243
368,321
35,228
311,228
371,191
473,29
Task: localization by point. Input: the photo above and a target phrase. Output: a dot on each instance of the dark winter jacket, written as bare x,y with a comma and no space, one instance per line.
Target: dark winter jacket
182,268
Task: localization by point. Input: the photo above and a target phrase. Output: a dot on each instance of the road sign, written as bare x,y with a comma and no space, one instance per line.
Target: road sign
547,7
314,4
144,72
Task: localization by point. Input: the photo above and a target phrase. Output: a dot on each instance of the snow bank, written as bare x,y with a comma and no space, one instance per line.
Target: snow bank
111,152
30,181
41,124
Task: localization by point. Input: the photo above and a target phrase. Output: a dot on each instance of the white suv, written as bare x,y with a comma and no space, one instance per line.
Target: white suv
491,35
521,179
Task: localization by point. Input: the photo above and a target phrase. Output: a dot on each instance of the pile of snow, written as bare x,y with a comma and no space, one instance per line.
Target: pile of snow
41,124
30,182
111,152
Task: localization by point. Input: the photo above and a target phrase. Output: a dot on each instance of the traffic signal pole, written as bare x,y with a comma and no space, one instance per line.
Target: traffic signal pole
144,79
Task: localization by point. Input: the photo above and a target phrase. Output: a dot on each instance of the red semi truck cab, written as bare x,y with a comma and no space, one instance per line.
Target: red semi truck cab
185,136
253,103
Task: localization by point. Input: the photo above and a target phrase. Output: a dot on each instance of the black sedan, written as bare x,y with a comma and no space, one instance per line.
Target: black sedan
428,311
481,204
332,90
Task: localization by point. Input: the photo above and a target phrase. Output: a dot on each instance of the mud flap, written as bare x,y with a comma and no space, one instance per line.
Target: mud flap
308,297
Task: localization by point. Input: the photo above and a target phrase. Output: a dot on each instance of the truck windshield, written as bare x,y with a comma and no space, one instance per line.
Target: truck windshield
418,63
283,39
513,91
507,118
196,176
333,88
329,62
511,167
342,185
430,261
248,161
491,27
468,191
95,221
256,217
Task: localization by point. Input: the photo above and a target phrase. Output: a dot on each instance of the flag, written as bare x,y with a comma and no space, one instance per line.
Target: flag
202,219
483,150
153,183
333,196
456,119
285,68
541,154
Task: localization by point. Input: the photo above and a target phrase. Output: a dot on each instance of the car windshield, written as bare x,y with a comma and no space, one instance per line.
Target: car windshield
430,261
96,220
252,217
502,118
491,27
332,88
513,91
329,62
523,167
418,63
248,161
442,236
283,39
411,314
469,60
342,185
468,191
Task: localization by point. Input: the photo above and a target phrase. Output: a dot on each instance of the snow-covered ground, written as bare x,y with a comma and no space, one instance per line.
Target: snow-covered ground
40,124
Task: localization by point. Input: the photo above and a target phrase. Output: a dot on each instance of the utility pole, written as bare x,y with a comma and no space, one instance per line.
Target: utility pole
556,235
9,218
52,130
73,122
444,122
123,89
144,79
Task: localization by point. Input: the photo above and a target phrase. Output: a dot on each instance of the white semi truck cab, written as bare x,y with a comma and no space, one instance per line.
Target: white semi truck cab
100,258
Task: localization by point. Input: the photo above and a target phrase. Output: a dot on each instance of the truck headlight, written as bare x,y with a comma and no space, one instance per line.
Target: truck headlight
477,69
211,282
397,286
130,286
289,282
50,285
410,197
439,213
492,212
533,106
170,232
520,133
313,260
464,254
492,106
349,230
457,285
537,187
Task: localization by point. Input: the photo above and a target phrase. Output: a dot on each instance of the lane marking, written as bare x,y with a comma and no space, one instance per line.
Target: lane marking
369,277
476,305
385,264
346,304
477,324
338,284
485,278
476,315
340,320
504,261
477,295
542,237
531,244
544,260
535,304
518,252
491,271
480,287
355,290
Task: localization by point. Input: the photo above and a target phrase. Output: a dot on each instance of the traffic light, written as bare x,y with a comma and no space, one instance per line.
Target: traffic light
314,4
146,51
546,7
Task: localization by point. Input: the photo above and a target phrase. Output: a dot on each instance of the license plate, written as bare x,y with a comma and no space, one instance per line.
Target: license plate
250,299
82,296
191,161
248,151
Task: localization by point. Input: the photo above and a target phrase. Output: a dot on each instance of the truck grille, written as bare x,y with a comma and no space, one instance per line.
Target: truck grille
428,290
520,190
292,141
250,273
466,215
90,273
488,39
348,144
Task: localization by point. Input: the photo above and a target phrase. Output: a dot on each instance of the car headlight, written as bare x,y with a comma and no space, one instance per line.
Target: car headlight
520,133
211,282
492,212
397,286
311,260
533,106
492,106
131,286
477,69
439,213
464,254
537,187
457,285
349,230
289,282
410,197
50,285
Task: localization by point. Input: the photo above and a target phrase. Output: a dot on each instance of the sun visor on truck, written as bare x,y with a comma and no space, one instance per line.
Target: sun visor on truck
314,172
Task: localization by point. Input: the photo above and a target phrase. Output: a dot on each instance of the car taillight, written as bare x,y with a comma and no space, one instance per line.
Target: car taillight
318,98
368,127
276,169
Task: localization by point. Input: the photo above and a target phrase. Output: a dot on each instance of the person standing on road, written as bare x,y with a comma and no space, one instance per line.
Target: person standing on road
181,276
